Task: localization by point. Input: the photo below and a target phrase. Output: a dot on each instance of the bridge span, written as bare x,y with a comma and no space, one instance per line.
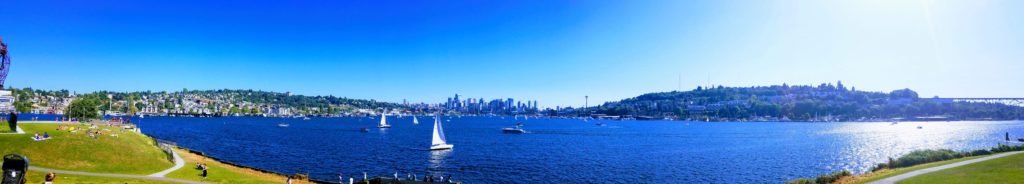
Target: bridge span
1001,100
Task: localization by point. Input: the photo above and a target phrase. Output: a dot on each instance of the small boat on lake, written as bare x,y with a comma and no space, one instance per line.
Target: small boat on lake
383,121
517,130
364,130
283,125
305,118
438,142
415,121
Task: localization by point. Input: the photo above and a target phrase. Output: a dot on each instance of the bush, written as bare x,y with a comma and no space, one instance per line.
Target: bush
880,166
979,152
800,181
925,156
1006,148
822,179
829,178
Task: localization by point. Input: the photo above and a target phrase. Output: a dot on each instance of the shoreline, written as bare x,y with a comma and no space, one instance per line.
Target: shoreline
248,169
284,177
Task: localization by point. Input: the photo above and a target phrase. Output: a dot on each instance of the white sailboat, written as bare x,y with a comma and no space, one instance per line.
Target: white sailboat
438,141
415,121
383,121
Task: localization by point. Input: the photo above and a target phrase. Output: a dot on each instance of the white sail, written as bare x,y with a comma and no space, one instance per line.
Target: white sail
438,137
383,120
415,121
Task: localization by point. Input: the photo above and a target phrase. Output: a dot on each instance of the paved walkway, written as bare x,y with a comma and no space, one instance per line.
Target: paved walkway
911,174
178,163
40,169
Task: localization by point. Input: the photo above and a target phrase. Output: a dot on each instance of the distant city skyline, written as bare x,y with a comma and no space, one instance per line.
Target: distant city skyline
554,52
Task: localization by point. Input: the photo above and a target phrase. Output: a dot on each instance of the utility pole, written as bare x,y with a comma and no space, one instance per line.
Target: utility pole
586,103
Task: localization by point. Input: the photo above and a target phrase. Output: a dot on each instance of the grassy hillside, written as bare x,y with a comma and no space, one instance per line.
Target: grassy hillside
127,153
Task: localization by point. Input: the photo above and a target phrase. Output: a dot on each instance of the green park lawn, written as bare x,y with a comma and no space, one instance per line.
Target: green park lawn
39,177
218,172
128,153
874,176
1009,169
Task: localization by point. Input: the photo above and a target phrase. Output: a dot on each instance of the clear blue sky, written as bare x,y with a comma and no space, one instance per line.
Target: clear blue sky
552,51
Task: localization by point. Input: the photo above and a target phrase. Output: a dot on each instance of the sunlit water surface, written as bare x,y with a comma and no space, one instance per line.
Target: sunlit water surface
564,150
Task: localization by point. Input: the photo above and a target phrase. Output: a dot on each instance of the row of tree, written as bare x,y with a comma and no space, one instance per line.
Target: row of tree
801,103
89,105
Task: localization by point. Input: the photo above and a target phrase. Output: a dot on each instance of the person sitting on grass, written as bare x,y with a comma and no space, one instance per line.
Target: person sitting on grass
46,135
50,177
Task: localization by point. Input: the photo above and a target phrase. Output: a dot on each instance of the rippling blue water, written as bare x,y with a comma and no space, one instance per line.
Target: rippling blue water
569,150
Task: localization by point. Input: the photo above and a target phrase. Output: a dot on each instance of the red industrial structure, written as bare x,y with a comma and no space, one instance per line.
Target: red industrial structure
5,65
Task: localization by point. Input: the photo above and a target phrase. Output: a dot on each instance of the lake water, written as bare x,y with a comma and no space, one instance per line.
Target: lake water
565,150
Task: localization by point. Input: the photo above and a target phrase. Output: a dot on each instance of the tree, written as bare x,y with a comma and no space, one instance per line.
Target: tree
132,109
84,108
23,106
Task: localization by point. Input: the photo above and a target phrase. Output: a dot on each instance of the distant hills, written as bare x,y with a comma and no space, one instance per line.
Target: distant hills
195,102
826,102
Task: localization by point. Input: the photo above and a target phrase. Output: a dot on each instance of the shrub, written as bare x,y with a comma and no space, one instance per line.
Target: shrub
1006,148
979,152
829,178
880,166
822,179
925,156
800,181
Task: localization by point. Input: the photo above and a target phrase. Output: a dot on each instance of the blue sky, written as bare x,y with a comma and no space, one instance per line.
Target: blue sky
552,51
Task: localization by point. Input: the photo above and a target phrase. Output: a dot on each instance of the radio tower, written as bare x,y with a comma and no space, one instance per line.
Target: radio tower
5,65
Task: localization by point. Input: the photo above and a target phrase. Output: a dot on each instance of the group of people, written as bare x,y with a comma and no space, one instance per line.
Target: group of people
40,138
409,177
202,167
94,134
69,128
442,179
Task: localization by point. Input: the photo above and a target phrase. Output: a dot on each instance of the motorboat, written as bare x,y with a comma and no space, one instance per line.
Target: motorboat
516,130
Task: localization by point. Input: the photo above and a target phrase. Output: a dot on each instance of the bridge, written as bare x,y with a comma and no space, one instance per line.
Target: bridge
1008,101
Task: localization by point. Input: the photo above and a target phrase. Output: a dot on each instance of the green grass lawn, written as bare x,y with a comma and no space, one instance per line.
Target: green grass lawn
39,177
888,173
1009,169
128,153
220,173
